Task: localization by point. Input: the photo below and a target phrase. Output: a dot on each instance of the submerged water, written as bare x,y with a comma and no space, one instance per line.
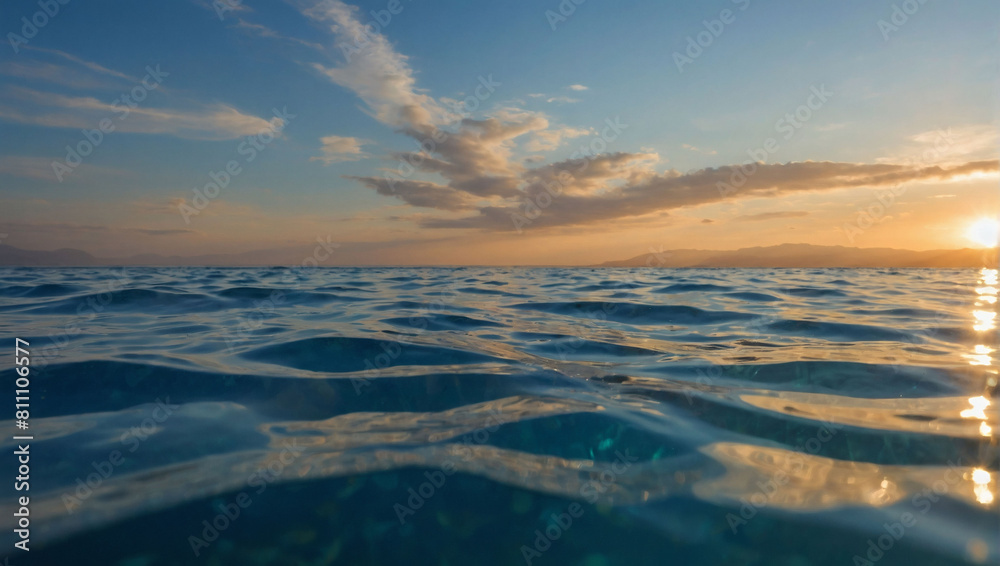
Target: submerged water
506,416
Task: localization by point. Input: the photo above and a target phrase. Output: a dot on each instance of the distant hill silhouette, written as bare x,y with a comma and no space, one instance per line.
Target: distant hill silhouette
785,255
806,255
11,256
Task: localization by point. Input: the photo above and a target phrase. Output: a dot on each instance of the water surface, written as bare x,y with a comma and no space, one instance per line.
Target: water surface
504,416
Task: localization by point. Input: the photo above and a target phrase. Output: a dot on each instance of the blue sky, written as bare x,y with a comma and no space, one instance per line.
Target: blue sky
911,109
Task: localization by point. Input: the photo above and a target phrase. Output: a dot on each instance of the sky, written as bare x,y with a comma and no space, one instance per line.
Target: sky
518,132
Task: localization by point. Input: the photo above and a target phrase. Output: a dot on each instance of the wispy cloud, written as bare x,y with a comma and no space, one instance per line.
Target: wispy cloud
40,168
378,74
578,87
336,149
947,145
771,216
644,192
94,67
563,100
831,127
28,71
212,122
548,140
260,30
70,229
695,149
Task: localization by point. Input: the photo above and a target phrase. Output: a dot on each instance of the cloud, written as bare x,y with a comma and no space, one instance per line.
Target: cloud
420,193
563,100
473,164
40,168
52,73
477,157
547,140
222,7
771,216
578,87
94,67
336,149
210,122
831,127
149,232
69,229
183,118
591,195
160,207
690,147
947,146
260,30
372,69
536,95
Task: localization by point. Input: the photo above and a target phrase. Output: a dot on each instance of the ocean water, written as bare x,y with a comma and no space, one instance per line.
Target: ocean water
505,416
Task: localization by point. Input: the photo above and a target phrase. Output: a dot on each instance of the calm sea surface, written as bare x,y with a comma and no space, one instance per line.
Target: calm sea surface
504,416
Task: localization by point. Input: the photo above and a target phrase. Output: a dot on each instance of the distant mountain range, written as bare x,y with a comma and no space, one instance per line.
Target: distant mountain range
68,257
806,255
786,255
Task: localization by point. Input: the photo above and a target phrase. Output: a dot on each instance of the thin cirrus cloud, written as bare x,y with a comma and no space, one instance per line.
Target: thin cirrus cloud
696,149
771,216
38,106
89,65
40,169
206,122
73,229
372,69
578,87
335,149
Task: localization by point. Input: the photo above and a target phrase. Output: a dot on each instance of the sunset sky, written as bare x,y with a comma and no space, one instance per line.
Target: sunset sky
619,129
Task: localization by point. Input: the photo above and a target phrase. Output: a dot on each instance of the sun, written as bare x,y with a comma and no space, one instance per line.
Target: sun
985,232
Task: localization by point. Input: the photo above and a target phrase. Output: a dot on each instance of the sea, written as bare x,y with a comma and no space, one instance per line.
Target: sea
515,416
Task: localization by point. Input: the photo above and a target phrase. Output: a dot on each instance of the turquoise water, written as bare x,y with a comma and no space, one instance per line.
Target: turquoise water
506,416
